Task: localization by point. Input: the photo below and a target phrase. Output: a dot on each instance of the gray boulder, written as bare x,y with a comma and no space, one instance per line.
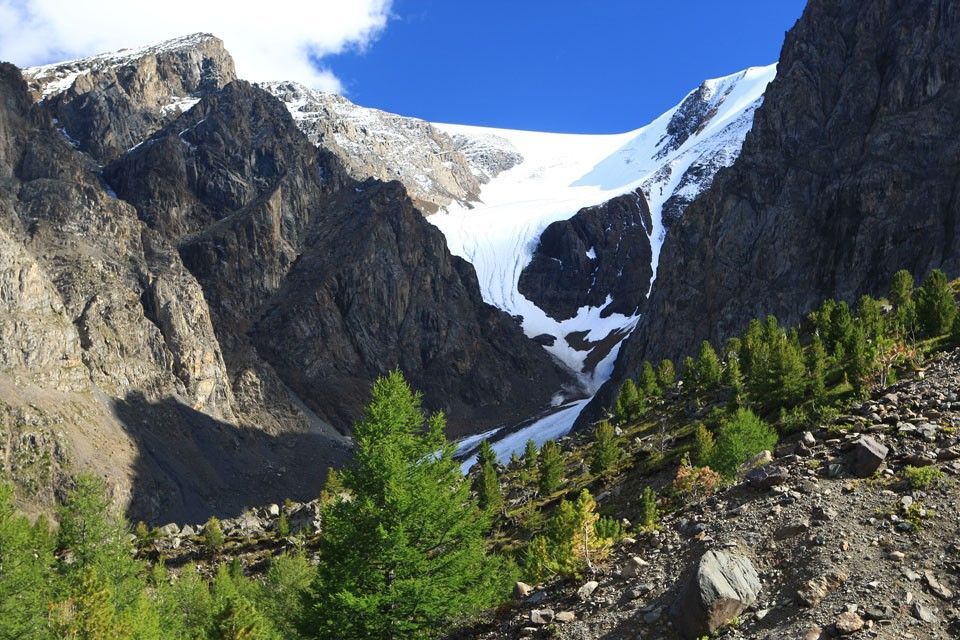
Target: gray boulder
721,587
866,457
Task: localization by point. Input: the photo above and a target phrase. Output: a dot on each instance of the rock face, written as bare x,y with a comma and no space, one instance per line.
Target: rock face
189,320
602,252
373,143
109,103
109,361
721,587
334,282
849,173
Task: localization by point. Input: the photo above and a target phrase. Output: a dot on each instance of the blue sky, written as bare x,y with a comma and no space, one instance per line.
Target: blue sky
589,66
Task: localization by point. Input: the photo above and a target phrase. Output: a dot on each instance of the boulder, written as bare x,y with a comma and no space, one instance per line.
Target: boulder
866,457
521,590
723,584
633,567
541,616
587,590
764,478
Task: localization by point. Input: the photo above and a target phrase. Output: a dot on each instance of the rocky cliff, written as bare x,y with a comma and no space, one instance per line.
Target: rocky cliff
601,257
851,172
108,103
198,318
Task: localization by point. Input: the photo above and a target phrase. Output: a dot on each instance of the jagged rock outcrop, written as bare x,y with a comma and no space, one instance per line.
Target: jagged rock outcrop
108,103
375,144
602,253
334,282
109,362
851,172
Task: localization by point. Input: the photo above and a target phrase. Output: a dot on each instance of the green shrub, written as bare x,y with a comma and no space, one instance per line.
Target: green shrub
741,436
213,535
922,477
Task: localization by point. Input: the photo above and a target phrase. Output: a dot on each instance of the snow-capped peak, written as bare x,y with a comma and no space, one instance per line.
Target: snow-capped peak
52,79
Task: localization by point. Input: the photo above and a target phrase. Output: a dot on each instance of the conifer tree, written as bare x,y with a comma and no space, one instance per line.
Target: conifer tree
901,288
870,317
751,348
486,454
26,577
703,446
629,404
407,553
530,454
841,330
788,375
604,452
551,467
490,497
740,437
666,375
733,378
649,514
648,380
860,360
936,306
708,368
213,535
332,487
817,368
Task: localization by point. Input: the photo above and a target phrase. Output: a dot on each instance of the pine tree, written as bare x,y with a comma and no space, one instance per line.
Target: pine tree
870,317
703,446
213,535
936,306
26,577
332,488
666,375
708,368
486,454
817,368
740,437
788,375
752,349
840,332
551,467
861,361
571,545
955,332
733,379
649,514
629,404
530,455
901,288
407,553
605,451
648,380
488,491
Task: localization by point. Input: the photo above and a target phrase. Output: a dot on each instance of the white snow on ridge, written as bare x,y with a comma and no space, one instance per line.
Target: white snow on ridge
551,427
562,173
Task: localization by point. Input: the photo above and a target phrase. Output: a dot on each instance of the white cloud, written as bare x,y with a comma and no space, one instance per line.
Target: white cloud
269,39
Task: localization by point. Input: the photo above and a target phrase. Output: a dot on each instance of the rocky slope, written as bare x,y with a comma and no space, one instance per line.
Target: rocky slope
849,173
430,164
828,538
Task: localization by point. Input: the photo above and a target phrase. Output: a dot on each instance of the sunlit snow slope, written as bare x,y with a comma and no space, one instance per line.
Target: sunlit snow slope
671,160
